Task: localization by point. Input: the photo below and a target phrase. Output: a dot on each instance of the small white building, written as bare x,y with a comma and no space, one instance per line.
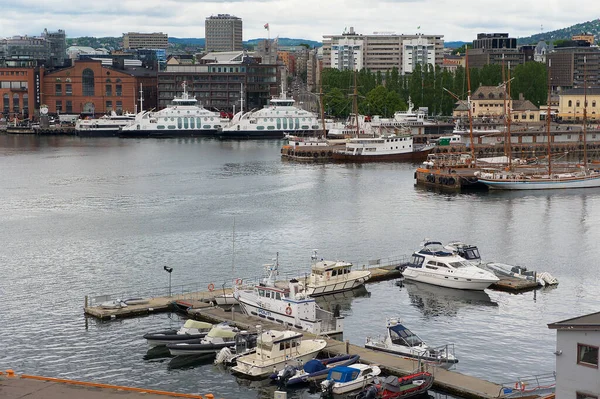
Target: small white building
577,343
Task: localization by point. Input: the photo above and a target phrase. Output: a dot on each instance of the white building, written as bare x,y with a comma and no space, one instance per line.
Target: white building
577,343
419,50
347,53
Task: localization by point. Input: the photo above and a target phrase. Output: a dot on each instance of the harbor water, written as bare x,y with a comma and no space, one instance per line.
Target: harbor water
104,216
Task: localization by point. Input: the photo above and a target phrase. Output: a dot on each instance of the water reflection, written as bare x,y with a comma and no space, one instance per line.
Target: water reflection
157,352
435,301
191,361
341,300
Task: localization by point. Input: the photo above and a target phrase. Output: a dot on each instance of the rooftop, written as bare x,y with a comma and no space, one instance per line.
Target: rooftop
587,322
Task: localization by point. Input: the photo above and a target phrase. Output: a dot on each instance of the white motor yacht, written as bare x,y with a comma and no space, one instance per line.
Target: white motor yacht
328,277
275,350
104,126
400,341
287,305
434,264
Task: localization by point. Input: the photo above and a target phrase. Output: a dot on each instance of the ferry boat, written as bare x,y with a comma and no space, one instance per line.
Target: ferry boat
287,305
273,121
329,277
274,351
105,126
183,118
434,264
385,148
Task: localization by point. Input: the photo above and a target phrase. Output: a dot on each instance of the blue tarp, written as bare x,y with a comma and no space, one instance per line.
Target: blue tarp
342,374
314,365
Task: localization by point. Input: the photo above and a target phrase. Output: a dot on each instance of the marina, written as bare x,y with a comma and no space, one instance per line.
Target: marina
114,232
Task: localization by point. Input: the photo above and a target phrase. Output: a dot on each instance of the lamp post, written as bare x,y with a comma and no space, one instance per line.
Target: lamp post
169,270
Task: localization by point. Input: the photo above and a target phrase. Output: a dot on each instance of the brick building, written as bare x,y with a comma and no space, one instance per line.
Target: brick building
19,92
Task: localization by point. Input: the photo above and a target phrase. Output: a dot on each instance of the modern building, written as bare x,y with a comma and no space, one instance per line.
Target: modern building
90,88
57,41
571,104
382,51
49,50
495,49
577,343
223,32
221,80
314,65
136,40
570,66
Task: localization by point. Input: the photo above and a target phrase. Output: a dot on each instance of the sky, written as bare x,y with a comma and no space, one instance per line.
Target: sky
456,20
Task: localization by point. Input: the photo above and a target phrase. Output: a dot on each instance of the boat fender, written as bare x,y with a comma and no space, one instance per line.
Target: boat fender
316,155
288,310
330,153
323,153
451,181
211,287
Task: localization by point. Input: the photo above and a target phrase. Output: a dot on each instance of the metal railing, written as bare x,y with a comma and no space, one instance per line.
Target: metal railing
524,386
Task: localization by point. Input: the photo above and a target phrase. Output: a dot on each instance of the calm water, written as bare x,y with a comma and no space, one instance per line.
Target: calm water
100,216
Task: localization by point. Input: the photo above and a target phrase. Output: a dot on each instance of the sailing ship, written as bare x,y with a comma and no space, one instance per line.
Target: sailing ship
523,179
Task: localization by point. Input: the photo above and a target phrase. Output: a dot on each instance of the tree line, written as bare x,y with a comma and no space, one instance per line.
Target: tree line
428,86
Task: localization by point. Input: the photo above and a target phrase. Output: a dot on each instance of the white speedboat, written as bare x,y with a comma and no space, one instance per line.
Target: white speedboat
192,329
183,118
400,341
344,379
245,344
281,116
220,336
328,277
274,351
289,305
104,126
434,264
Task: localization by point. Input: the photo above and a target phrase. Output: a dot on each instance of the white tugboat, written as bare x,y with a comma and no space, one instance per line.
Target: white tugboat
328,277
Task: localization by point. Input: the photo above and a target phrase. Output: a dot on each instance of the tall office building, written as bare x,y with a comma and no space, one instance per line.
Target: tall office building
223,32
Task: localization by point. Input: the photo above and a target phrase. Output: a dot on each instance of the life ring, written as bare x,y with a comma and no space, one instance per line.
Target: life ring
309,154
288,310
211,287
238,281
498,139
330,153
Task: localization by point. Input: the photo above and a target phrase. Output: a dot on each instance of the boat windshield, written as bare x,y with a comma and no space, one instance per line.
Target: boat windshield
401,335
458,265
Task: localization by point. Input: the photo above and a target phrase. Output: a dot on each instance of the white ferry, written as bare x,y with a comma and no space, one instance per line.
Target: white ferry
273,121
183,118
105,126
386,148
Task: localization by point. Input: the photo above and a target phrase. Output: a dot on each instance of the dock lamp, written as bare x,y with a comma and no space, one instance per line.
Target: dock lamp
169,270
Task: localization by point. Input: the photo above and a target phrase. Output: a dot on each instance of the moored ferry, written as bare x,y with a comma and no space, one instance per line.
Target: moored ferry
274,121
104,126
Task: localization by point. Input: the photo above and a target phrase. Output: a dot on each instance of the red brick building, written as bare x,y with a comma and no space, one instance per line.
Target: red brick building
18,92
88,87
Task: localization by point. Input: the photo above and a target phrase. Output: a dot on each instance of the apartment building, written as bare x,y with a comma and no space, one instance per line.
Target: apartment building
223,32
381,51
135,40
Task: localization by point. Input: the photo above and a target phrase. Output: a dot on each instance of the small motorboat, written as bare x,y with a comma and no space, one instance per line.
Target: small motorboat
114,304
245,344
192,329
400,341
344,379
399,387
220,336
313,370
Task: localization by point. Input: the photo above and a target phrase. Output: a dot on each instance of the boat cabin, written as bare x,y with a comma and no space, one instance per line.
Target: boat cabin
434,255
469,252
274,344
348,373
400,335
330,269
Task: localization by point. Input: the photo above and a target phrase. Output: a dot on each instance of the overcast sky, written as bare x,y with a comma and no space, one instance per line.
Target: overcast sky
456,20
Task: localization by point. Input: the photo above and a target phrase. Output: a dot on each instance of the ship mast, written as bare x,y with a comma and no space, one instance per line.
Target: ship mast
355,105
322,106
469,105
508,121
584,115
548,120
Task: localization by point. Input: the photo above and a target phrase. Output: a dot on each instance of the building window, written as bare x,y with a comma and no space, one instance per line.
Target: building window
68,89
577,103
581,395
118,90
530,116
26,104
16,107
570,103
594,103
69,109
587,355
59,106
108,90
6,105
119,107
88,82
58,89
109,106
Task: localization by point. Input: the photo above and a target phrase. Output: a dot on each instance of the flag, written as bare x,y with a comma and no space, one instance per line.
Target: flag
267,26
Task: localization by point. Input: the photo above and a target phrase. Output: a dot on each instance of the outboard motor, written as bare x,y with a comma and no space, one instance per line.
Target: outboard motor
288,372
370,392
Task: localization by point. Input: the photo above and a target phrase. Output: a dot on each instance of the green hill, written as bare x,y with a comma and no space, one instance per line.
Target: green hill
592,27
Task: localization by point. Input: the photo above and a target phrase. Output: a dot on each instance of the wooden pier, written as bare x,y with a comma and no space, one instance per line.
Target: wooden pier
459,179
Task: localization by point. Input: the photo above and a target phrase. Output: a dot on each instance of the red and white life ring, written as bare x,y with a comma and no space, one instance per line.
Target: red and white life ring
211,287
288,310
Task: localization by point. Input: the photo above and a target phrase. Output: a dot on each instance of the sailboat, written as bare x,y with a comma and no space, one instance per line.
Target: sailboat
512,179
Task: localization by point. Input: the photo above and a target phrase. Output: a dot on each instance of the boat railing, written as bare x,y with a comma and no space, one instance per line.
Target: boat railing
541,384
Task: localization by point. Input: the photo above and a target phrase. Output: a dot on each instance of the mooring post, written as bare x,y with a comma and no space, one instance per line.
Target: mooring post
86,302
347,342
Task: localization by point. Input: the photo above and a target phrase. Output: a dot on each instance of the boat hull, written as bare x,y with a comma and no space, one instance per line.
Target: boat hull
167,133
98,133
546,184
443,362
413,156
443,281
170,337
262,134
197,348
256,371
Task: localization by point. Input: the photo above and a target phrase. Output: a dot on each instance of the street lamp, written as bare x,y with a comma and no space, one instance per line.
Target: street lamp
169,270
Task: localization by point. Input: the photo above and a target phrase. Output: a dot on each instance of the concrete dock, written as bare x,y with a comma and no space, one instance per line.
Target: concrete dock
15,386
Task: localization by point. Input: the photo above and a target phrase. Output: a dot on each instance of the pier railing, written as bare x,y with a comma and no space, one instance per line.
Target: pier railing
541,384
204,290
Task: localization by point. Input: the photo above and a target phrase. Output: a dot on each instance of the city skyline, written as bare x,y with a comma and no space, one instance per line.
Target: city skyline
455,20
